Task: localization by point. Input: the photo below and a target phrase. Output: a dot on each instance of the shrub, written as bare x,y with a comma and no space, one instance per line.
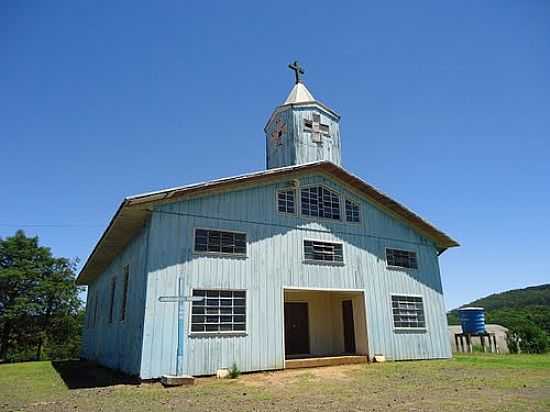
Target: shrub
527,338
234,371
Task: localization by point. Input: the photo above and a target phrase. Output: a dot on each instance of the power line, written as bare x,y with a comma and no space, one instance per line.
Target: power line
305,229
50,225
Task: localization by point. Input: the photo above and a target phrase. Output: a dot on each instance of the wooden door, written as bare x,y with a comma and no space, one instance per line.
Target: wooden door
296,328
349,328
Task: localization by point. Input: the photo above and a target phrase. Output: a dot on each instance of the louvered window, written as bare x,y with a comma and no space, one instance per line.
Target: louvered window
319,201
323,251
401,258
219,311
286,201
408,312
352,211
216,241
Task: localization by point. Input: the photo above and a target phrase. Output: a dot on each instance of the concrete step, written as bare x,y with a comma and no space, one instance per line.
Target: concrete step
325,361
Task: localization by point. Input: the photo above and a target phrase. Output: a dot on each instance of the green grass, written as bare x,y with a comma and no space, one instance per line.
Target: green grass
468,382
489,360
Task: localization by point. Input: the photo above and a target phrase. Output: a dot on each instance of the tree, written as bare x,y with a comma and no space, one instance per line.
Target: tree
37,292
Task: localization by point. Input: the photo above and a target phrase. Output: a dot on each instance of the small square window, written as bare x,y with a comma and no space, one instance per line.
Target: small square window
352,211
408,312
286,201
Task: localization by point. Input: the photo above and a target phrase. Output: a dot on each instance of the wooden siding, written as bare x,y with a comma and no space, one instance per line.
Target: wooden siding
297,145
275,261
118,344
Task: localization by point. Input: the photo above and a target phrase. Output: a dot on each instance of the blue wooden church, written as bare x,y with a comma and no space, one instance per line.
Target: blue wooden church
301,260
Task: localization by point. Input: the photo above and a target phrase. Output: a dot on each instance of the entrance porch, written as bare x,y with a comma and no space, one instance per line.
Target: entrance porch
324,327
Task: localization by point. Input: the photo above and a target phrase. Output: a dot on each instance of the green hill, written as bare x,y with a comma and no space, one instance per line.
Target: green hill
514,308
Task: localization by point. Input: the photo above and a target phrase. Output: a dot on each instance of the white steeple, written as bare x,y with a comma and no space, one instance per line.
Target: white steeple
302,129
299,94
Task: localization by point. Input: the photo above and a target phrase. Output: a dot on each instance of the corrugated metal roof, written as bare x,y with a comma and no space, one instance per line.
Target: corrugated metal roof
134,210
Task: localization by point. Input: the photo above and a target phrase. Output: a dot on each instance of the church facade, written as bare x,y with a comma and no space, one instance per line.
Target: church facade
303,259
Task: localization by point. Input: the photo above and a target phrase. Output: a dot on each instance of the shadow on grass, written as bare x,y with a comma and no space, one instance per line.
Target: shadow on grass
79,374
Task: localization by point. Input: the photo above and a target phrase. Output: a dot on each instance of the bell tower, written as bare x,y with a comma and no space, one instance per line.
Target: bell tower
302,129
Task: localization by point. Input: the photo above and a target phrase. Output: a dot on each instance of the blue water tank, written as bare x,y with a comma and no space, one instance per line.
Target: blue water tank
472,320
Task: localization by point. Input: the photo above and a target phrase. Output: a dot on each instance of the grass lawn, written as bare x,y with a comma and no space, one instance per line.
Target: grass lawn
480,382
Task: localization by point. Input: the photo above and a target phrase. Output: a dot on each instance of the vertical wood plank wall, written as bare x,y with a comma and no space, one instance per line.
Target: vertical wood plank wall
118,344
275,261
297,146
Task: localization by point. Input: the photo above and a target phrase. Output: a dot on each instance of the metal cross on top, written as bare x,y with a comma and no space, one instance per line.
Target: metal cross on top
298,71
180,299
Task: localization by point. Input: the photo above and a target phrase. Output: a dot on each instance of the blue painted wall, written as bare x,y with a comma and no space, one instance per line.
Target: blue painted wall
118,345
275,261
296,146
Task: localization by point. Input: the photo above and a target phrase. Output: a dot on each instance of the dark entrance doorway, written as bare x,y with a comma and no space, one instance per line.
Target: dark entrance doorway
296,328
349,329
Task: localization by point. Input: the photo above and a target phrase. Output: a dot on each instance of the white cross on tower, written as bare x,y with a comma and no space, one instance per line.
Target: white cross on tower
180,299
316,128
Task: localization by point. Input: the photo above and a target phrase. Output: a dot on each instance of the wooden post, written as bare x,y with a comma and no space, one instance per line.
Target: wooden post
456,342
462,343
469,343
482,339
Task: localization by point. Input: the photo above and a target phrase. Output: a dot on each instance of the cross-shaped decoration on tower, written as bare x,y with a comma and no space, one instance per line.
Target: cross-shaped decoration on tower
278,131
180,299
316,128
298,71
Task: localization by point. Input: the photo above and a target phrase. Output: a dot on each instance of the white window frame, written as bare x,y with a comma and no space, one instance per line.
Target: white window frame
191,333
392,267
405,329
322,218
296,201
207,253
323,262
353,201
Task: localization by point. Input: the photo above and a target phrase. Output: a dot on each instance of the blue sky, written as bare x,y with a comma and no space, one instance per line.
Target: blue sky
445,106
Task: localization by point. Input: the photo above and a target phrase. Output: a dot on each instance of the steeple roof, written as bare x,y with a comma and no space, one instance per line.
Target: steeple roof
299,94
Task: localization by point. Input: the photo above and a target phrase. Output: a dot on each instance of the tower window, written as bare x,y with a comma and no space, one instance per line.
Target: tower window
320,202
286,201
352,211
316,128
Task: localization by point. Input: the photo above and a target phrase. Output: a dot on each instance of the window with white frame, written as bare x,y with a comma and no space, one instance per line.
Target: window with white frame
352,211
219,311
323,251
408,312
401,258
286,201
320,202
217,241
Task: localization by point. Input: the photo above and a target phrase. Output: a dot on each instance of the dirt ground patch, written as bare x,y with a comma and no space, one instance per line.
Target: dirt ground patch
465,383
